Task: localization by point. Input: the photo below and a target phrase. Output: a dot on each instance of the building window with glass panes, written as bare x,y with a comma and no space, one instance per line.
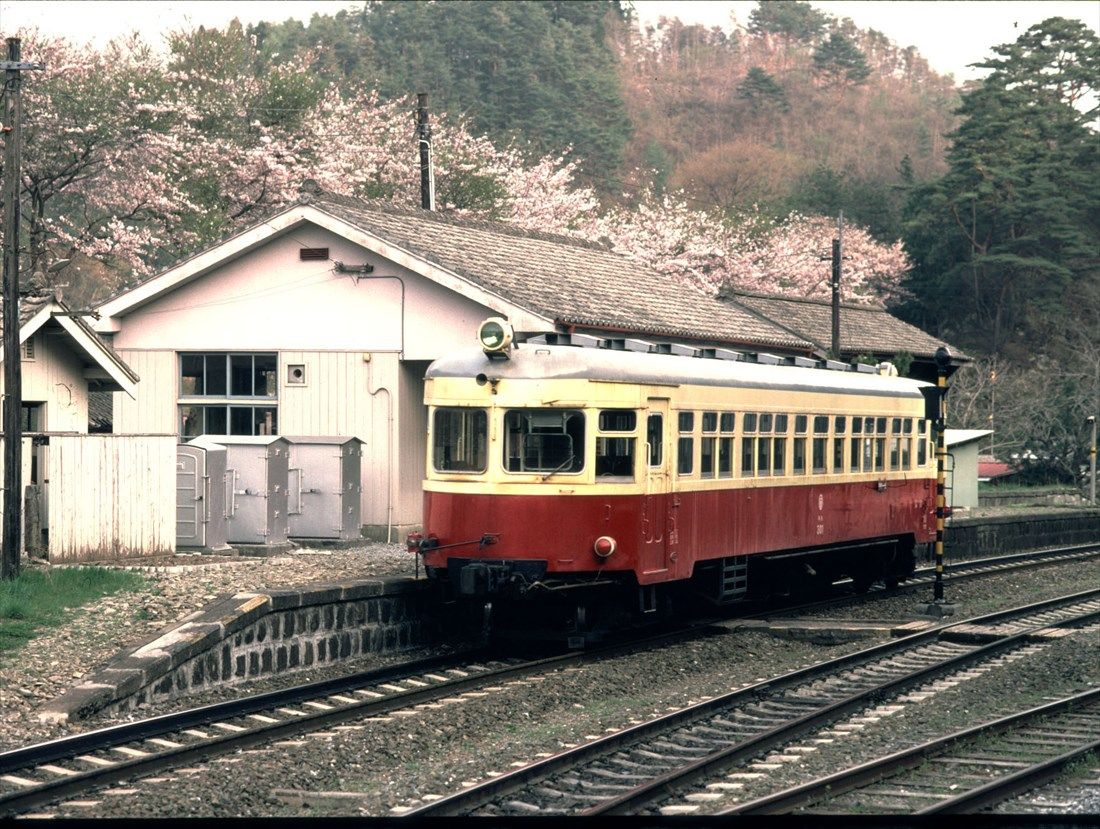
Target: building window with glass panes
225,393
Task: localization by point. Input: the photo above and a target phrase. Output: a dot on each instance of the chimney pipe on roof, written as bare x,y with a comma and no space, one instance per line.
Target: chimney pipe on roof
424,140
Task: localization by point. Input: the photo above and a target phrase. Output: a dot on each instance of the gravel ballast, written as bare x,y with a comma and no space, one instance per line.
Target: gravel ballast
60,657
397,760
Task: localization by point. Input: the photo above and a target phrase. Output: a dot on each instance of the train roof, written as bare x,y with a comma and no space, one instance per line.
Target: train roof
542,362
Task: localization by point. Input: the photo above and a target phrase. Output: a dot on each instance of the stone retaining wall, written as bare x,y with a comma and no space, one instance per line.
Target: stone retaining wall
979,537
249,635
992,498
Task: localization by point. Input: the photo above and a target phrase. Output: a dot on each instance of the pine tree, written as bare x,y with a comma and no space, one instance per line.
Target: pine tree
840,63
762,92
1005,244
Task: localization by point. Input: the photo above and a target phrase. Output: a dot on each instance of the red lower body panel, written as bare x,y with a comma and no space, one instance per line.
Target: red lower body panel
660,537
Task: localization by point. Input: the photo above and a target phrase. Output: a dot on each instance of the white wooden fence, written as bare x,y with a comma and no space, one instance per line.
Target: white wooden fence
111,496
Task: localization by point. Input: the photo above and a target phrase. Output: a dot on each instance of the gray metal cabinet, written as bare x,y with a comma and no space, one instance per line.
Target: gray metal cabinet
256,475
201,520
325,488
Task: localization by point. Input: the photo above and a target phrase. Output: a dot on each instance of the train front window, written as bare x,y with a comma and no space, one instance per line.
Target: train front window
544,440
459,440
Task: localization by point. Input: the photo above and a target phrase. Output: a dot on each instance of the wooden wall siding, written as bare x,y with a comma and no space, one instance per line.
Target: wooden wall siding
112,496
413,447
154,409
337,399
56,377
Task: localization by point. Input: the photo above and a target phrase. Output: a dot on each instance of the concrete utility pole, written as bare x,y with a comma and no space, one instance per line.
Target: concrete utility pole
13,392
424,139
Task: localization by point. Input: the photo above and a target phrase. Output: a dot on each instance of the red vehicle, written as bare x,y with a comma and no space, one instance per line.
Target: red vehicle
566,474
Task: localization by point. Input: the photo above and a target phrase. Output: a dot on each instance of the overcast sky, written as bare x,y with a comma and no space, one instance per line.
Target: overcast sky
949,35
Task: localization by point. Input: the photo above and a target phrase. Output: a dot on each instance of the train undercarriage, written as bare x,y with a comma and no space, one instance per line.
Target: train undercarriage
517,601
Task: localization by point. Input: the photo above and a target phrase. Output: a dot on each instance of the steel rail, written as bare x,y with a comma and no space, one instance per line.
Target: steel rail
465,801
873,771
113,736
960,571
35,756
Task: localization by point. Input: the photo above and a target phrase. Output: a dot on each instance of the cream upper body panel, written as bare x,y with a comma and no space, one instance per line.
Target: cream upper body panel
596,379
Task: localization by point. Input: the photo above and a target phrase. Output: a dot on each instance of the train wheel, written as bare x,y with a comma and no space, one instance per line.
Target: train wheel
891,582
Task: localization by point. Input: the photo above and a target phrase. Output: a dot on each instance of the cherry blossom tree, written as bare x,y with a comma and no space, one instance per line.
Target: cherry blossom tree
134,160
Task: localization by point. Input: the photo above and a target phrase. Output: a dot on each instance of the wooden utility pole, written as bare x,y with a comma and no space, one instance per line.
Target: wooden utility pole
424,139
838,254
11,115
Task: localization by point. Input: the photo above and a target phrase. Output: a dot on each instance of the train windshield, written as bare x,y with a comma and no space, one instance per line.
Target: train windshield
544,440
460,440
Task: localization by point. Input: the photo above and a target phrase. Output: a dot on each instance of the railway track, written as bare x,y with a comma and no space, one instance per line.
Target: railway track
47,772
963,772
43,773
643,768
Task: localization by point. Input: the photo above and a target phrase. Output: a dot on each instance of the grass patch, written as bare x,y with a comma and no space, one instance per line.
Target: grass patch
39,599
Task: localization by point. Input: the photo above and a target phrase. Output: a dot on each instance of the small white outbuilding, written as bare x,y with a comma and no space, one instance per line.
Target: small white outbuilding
962,465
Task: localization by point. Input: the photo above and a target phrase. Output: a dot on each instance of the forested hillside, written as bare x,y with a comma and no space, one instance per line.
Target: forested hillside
800,112
718,159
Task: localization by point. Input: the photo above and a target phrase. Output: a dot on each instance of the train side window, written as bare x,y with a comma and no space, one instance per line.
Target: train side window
685,446
655,437
763,455
544,440
922,444
707,445
857,430
821,428
798,465
765,423
725,445
459,440
779,455
906,452
781,424
799,459
748,422
840,425
880,450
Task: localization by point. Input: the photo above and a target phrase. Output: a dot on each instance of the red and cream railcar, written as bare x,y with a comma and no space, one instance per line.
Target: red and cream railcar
561,467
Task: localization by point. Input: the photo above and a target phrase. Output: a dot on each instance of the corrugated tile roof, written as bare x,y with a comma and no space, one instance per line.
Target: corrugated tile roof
863,328
29,305
570,281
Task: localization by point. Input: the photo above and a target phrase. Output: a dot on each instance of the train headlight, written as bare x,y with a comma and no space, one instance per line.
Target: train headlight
605,545
495,336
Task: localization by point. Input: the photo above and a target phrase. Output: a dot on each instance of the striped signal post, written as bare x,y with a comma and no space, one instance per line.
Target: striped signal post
935,410
941,466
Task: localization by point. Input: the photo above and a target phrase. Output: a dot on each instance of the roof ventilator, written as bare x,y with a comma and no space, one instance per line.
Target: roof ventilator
801,362
680,350
768,359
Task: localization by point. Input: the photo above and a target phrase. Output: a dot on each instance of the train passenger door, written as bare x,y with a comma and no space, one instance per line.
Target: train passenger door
657,459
